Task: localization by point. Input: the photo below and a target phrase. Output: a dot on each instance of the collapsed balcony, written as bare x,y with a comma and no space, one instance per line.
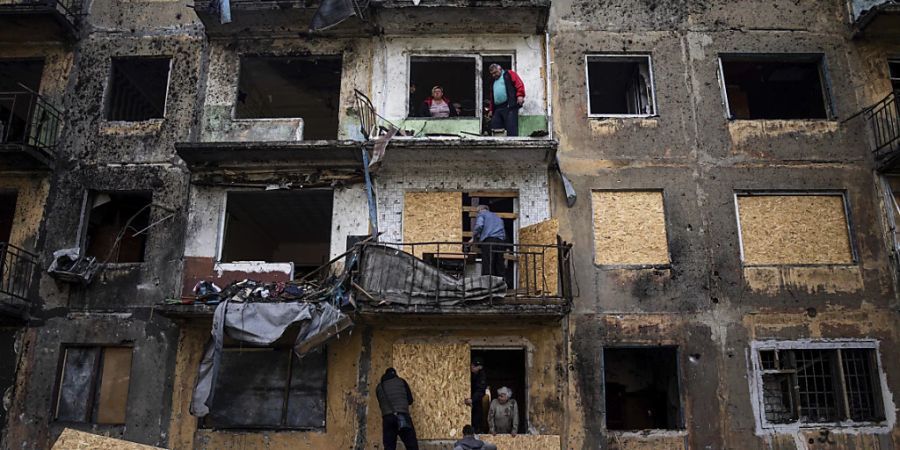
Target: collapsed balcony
875,18
884,120
16,269
29,130
39,20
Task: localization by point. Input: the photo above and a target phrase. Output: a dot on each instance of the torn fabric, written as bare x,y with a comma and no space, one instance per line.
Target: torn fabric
331,13
262,324
224,11
399,277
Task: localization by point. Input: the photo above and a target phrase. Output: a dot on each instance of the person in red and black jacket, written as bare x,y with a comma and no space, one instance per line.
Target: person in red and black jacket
437,105
507,96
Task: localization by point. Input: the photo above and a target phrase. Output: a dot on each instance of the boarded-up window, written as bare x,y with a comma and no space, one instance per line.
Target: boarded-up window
269,388
629,228
539,264
794,229
432,217
93,385
438,376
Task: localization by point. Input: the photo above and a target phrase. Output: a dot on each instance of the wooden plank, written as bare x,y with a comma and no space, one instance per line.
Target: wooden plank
794,229
523,441
432,217
539,266
629,228
497,194
78,440
501,215
114,384
438,376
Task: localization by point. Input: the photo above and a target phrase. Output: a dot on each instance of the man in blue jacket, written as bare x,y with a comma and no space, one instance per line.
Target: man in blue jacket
490,233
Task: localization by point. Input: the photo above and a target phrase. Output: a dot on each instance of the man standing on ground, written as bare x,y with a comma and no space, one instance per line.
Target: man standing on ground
394,398
489,232
470,442
479,385
507,96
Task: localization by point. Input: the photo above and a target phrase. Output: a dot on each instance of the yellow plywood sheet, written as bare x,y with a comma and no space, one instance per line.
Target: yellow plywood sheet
523,441
629,228
794,229
78,440
438,376
114,385
432,217
539,266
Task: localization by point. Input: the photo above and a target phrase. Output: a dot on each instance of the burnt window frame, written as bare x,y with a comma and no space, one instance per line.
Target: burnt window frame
107,90
95,382
480,95
820,59
681,425
85,218
625,57
281,346
893,63
845,199
880,392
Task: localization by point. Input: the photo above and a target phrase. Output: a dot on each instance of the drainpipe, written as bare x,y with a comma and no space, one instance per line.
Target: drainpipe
548,91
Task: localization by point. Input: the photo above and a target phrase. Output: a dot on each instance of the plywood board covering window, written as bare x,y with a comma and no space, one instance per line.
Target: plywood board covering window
794,229
538,271
629,228
438,376
432,217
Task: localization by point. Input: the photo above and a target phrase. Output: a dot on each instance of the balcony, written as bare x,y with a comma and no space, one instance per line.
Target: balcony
29,130
884,120
16,269
876,18
422,17
39,20
272,18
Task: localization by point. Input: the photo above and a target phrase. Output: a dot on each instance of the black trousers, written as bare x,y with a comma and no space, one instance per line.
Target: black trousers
492,262
506,117
390,429
478,414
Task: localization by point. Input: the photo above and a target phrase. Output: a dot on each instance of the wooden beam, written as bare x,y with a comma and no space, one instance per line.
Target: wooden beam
501,194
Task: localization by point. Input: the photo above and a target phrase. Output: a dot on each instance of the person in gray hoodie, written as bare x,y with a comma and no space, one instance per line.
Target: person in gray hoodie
470,442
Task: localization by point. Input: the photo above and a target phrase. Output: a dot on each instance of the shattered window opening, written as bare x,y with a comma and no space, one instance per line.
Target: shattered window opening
894,70
7,213
138,87
505,367
819,386
620,85
641,388
269,388
17,76
465,80
93,385
279,226
113,219
305,87
775,87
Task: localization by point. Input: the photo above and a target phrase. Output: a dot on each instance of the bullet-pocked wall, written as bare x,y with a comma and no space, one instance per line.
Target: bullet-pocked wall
705,300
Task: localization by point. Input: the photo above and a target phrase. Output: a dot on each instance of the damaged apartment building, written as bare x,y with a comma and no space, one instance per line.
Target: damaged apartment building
221,221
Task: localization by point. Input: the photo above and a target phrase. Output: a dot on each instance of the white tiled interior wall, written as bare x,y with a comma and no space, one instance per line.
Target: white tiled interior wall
529,180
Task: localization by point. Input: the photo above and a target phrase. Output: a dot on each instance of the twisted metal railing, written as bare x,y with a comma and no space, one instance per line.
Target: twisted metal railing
884,120
16,269
26,118
70,9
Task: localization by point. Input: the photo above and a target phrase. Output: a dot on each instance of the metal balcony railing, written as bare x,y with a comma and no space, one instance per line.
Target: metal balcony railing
68,9
884,120
16,269
27,119
534,274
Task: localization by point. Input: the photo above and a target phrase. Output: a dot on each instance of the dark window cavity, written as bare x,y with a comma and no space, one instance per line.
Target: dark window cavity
8,360
292,87
894,67
457,77
505,368
116,226
279,226
269,388
776,87
814,386
137,89
7,214
17,78
620,86
641,387
93,385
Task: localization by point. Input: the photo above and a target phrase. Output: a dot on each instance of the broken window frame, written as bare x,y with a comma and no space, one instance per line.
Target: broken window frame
818,58
85,217
477,79
96,382
681,426
879,393
625,57
894,73
107,91
527,350
845,200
